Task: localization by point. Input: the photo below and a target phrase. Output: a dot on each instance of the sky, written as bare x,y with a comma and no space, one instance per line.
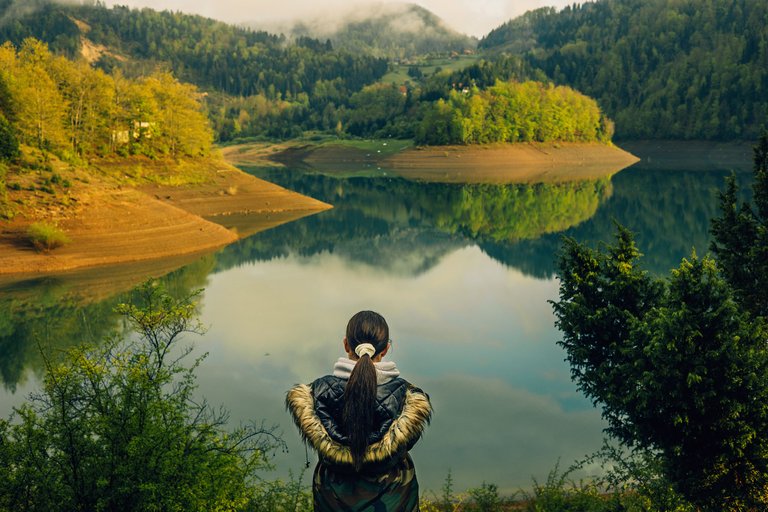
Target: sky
472,17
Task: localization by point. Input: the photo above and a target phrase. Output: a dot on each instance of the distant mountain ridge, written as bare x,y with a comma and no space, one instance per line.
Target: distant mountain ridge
662,69
398,30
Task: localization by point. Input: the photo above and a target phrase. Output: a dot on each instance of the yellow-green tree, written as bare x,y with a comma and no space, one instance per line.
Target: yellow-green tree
88,95
181,127
37,101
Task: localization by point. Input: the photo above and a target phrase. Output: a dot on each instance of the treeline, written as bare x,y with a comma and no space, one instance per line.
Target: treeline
69,108
259,85
211,54
505,112
675,69
513,112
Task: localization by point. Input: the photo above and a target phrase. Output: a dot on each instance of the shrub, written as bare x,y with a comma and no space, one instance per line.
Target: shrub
118,427
680,365
46,237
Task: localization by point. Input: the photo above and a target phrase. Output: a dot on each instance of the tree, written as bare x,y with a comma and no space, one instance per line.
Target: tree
740,236
118,427
181,127
679,367
9,144
40,105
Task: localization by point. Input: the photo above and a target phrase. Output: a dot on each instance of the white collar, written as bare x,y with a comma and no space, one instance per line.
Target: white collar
385,370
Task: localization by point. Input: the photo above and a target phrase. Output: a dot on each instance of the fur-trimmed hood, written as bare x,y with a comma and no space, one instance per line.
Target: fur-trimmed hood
405,429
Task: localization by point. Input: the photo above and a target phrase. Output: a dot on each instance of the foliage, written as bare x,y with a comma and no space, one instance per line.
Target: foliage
513,112
72,109
9,143
118,427
678,366
375,107
481,74
740,236
690,69
6,209
260,85
634,477
561,494
280,496
45,236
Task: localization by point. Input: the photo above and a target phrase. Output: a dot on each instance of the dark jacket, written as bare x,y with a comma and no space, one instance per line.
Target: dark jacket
387,480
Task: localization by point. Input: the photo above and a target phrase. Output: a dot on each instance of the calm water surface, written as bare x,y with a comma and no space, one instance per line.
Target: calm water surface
462,274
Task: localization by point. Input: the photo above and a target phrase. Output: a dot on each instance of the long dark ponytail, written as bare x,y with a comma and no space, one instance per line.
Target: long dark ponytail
360,393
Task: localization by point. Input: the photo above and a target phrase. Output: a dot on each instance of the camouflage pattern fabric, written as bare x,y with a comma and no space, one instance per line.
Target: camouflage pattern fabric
338,490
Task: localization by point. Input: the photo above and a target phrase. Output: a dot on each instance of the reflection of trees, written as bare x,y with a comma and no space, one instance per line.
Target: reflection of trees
54,313
519,225
669,211
45,317
507,213
402,227
396,223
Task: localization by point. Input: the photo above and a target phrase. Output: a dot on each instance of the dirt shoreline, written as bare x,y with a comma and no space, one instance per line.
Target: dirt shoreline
511,163
118,225
492,163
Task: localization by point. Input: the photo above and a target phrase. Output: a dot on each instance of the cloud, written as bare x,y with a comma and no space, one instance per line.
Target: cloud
473,17
22,8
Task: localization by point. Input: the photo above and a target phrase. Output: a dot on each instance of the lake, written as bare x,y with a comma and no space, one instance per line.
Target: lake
462,273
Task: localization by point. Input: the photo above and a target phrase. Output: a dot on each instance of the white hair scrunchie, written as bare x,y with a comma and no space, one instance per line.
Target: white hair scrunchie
365,348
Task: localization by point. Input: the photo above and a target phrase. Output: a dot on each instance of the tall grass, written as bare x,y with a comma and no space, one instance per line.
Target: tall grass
45,236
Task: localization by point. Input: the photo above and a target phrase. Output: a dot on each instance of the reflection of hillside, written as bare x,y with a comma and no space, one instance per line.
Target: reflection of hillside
668,210
399,224
54,313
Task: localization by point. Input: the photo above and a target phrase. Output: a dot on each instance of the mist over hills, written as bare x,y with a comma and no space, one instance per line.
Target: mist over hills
393,31
661,69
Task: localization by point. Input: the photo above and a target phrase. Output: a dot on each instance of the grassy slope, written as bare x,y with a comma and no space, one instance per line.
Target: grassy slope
135,209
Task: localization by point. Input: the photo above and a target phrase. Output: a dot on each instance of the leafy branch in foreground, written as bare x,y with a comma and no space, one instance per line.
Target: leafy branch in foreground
118,427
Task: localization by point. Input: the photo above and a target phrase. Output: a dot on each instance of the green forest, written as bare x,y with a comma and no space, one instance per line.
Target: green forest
692,69
513,112
393,31
257,84
662,69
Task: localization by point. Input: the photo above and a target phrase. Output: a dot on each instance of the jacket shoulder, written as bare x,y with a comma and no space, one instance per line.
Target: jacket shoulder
400,436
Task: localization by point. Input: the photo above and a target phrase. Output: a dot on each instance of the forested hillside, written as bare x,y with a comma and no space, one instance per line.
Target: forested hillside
678,69
394,31
202,51
255,84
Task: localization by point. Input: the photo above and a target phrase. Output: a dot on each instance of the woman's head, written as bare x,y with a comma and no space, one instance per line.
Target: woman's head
368,327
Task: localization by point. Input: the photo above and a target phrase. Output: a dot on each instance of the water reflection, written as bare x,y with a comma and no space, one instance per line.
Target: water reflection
475,334
407,226
53,313
462,273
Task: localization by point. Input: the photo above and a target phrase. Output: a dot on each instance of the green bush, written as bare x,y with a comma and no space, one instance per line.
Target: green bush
118,427
46,237
680,365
